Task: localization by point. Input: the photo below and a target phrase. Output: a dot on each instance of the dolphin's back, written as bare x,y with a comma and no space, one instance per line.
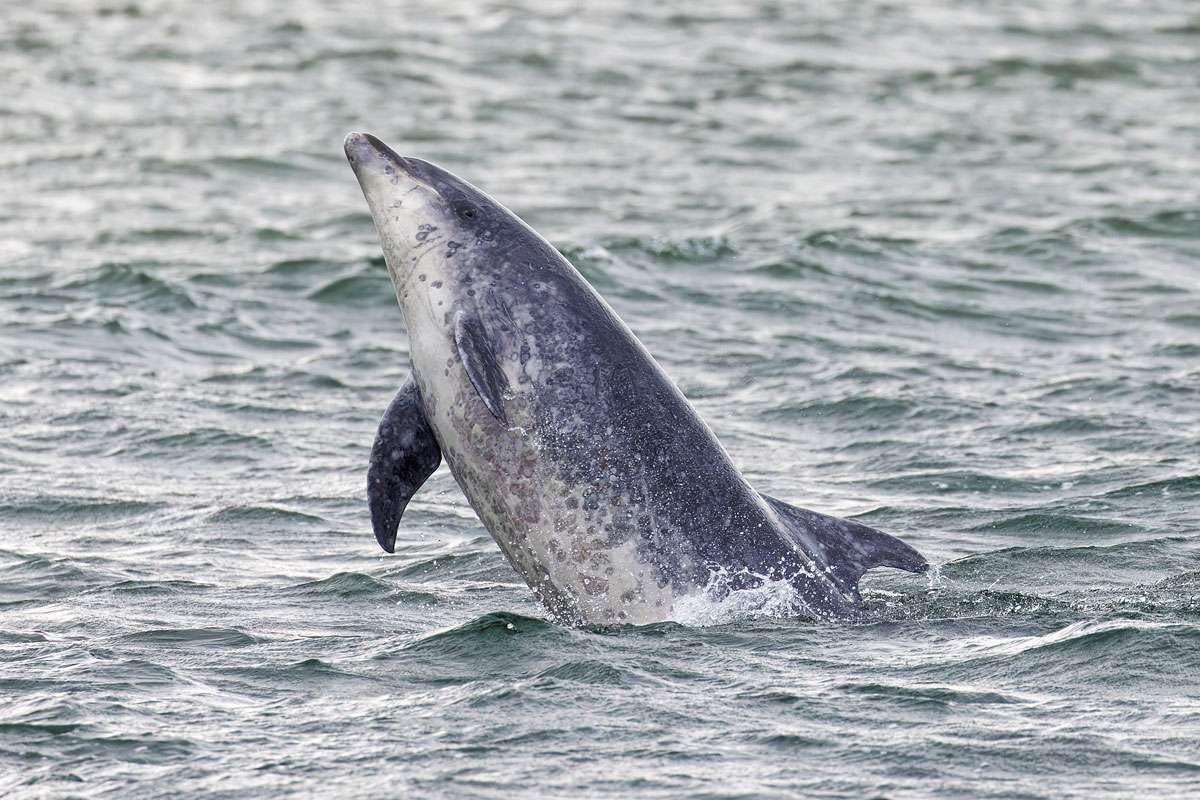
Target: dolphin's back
608,419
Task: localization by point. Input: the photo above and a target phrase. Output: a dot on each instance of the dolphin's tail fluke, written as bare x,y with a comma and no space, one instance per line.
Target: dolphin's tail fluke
847,548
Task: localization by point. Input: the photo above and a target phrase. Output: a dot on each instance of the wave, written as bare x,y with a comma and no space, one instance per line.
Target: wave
267,515
485,566
1064,73
940,697
952,605
343,584
943,481
151,588
259,165
1129,553
488,634
1172,598
1183,486
131,284
82,508
1058,524
185,637
883,409
269,375
589,672
308,671
372,288
222,445
28,578
1119,650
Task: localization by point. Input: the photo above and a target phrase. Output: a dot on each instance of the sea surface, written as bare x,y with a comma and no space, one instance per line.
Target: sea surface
933,266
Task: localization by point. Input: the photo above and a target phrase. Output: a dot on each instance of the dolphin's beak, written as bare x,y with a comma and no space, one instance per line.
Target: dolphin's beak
363,149
369,157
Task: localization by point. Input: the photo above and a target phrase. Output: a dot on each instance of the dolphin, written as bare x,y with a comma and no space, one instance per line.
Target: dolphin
598,480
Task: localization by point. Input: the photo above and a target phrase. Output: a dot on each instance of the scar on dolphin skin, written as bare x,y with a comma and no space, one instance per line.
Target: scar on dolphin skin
602,486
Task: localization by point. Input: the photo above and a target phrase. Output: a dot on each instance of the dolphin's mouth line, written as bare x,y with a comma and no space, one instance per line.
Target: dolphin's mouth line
371,160
356,141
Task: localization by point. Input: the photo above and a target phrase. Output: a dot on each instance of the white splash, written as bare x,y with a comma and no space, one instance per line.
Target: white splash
718,604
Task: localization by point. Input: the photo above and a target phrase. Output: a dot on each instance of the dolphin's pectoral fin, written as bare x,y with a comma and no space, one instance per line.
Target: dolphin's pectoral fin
404,455
478,359
848,548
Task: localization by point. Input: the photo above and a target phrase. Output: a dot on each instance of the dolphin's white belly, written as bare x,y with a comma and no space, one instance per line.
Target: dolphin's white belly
567,553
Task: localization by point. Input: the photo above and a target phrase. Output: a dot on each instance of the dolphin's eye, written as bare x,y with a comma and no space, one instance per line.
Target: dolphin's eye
466,212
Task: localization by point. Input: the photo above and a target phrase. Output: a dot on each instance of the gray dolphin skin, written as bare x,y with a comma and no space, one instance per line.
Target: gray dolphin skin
600,483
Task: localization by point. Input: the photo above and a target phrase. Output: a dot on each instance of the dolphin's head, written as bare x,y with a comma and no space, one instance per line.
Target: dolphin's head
424,214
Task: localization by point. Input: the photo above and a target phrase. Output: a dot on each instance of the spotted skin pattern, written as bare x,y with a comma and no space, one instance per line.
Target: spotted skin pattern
600,483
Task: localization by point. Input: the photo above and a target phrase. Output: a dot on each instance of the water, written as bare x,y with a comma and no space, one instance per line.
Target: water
930,266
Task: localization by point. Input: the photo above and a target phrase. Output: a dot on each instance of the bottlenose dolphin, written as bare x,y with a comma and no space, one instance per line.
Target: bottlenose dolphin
601,484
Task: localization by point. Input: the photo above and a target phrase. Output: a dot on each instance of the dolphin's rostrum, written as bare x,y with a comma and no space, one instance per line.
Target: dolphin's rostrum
601,484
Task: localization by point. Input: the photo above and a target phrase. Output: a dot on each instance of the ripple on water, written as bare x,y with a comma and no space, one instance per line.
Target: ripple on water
131,284
1060,525
687,250
884,410
369,288
1182,488
215,638
939,697
477,565
1024,563
592,672
957,605
932,483
59,509
1106,653
217,444
264,515
152,588
484,638
308,674
343,584
28,578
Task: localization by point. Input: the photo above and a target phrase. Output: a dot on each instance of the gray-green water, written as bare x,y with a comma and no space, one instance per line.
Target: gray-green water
935,266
